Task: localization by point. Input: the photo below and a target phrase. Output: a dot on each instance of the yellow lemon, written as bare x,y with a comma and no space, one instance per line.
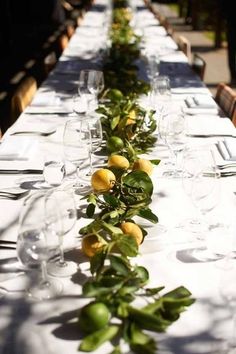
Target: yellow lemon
133,230
103,180
91,245
118,161
143,165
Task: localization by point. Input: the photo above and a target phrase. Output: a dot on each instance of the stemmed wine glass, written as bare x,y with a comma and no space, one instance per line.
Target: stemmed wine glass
36,244
195,159
60,218
91,84
227,290
77,145
205,194
95,128
172,128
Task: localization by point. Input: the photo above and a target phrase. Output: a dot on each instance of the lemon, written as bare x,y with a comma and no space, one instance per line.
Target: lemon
94,316
91,245
103,180
114,143
133,230
118,161
143,165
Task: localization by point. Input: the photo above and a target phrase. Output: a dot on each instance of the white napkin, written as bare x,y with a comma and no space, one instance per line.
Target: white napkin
209,126
200,101
17,148
47,102
227,149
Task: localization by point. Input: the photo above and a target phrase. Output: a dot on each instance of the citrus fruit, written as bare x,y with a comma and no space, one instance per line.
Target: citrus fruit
91,245
133,230
118,161
143,165
103,180
114,143
115,95
94,316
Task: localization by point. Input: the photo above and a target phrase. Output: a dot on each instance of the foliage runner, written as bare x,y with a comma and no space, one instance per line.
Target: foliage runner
121,191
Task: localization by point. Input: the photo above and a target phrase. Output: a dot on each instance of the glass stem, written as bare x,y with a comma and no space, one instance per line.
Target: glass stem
62,262
90,163
232,342
44,272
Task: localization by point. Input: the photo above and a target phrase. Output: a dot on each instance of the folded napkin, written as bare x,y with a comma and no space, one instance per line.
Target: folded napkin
47,103
17,148
209,126
227,149
200,101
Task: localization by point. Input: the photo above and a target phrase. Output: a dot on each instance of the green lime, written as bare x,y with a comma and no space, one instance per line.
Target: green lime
94,316
114,143
115,95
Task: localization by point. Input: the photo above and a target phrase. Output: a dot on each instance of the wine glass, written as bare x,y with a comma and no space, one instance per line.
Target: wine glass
60,218
77,145
96,134
227,290
205,195
172,128
195,158
91,83
36,245
153,65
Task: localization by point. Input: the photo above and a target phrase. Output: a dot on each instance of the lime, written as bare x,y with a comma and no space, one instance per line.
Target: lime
94,316
114,143
115,95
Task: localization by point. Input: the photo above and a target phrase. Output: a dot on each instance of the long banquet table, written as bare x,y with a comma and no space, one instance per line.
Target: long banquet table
49,327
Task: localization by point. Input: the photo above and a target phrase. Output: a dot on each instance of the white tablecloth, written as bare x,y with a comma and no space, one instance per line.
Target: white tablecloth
50,327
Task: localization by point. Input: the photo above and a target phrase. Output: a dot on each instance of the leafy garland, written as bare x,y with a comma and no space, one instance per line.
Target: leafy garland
115,282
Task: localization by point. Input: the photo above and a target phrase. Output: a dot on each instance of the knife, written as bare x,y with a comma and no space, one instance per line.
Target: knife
26,171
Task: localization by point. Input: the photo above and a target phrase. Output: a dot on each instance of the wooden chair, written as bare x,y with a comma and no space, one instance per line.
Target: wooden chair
185,46
62,43
226,99
199,65
165,23
22,97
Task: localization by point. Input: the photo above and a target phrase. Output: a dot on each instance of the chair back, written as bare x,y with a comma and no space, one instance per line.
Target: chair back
199,65
22,97
226,99
185,46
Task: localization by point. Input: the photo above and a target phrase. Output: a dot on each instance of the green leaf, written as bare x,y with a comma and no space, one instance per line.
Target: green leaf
155,162
96,339
111,200
179,292
139,179
148,321
147,214
142,274
119,264
115,122
110,228
97,262
141,342
153,291
92,199
127,246
90,210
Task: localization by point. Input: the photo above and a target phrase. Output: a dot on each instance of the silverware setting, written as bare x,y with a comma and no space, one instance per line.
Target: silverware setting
7,244
25,171
33,133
